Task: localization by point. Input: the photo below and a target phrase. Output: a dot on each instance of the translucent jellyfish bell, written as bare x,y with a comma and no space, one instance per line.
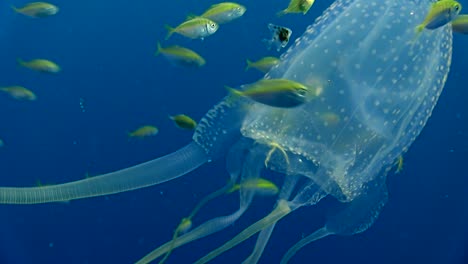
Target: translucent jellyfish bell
378,86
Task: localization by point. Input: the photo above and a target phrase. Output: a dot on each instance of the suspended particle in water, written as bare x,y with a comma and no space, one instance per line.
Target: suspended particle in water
82,105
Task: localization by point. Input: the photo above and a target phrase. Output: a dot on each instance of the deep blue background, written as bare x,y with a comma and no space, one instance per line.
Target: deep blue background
106,51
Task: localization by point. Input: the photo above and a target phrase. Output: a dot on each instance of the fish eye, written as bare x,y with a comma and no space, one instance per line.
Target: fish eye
457,7
213,25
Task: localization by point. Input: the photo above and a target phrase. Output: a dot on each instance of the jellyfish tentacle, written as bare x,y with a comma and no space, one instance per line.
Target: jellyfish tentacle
260,245
186,222
281,210
205,229
290,182
166,168
319,234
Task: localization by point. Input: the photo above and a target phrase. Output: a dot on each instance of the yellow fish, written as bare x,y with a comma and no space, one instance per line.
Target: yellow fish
37,9
276,92
184,121
224,12
144,131
297,6
40,65
197,27
181,56
440,13
19,93
260,185
264,64
460,24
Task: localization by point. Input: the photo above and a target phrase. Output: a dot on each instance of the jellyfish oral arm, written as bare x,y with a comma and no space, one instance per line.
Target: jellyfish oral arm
143,175
281,210
205,229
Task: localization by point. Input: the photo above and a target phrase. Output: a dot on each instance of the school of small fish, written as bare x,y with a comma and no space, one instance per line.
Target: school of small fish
281,93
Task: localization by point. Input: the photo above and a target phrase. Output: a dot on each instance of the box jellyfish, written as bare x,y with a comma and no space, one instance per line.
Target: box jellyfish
378,89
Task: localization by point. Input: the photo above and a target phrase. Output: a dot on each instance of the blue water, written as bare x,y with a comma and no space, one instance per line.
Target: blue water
106,51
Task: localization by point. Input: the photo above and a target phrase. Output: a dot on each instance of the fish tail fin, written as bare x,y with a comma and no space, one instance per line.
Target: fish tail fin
129,134
233,91
14,8
249,65
282,13
158,49
234,188
170,31
20,62
419,28
233,94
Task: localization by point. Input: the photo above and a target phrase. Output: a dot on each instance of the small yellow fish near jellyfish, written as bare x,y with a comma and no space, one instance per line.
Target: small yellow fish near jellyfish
259,185
180,56
40,65
224,12
297,6
198,27
282,93
19,93
184,121
440,13
264,64
143,132
37,9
